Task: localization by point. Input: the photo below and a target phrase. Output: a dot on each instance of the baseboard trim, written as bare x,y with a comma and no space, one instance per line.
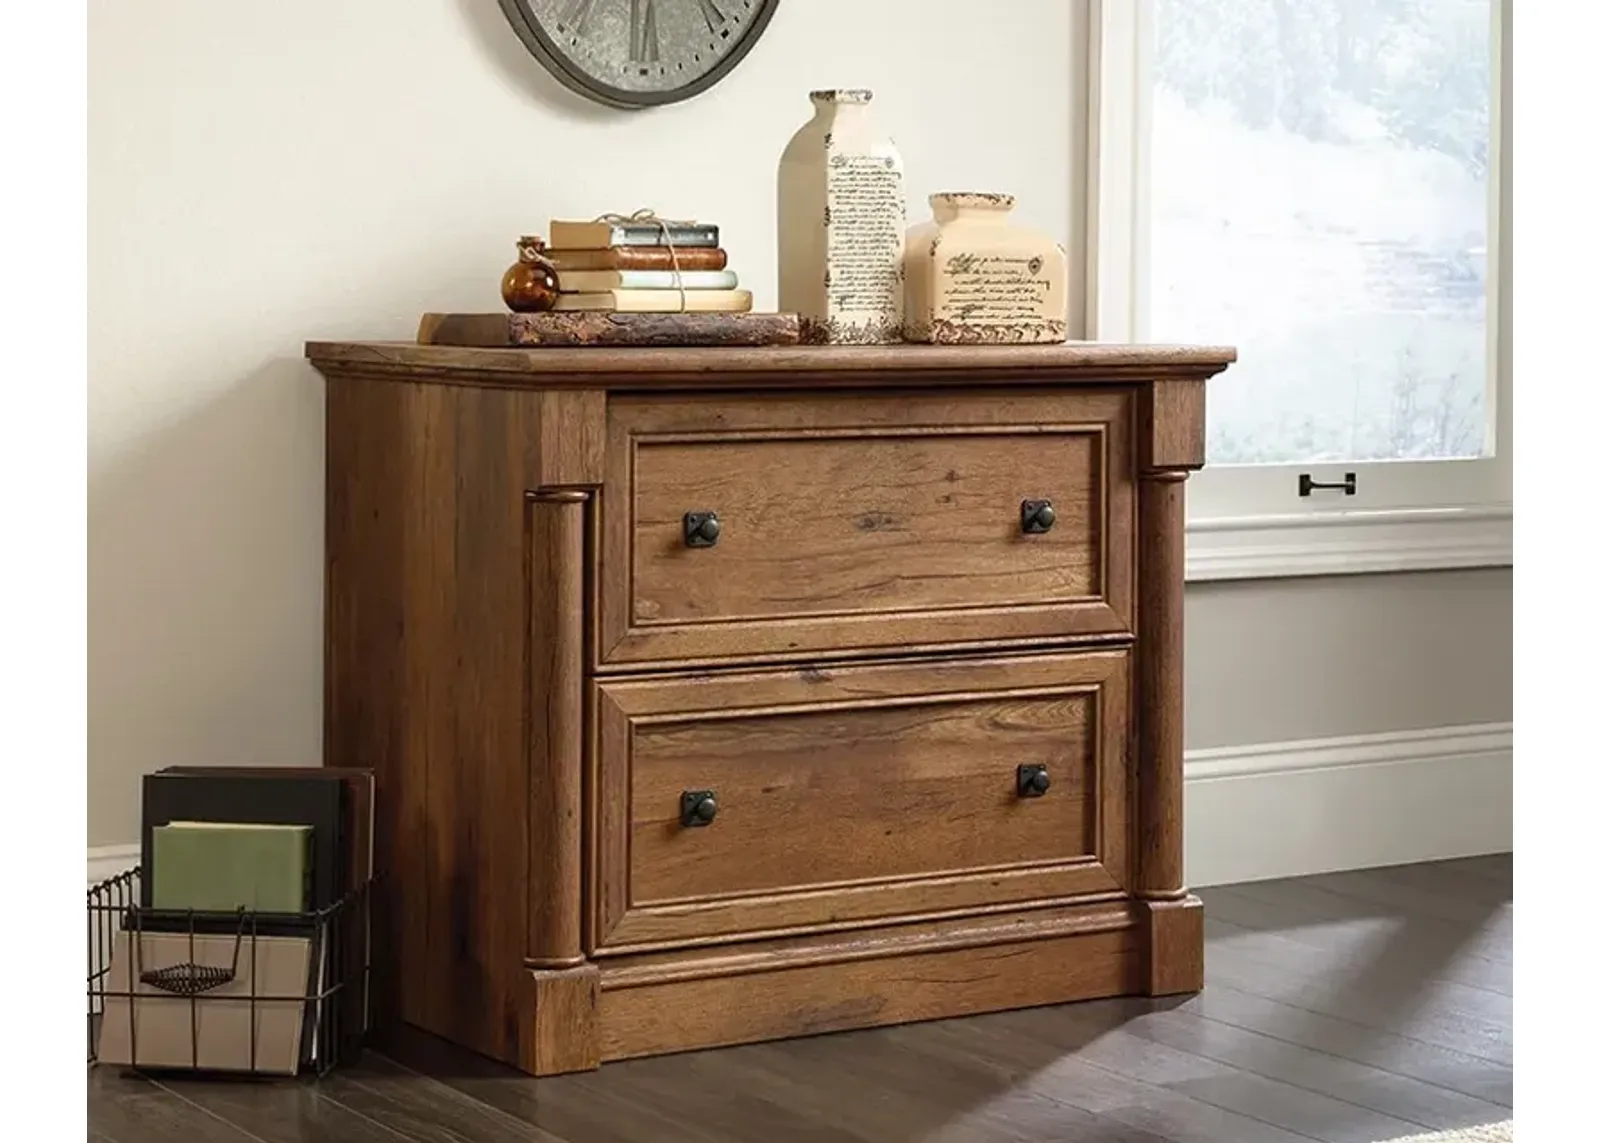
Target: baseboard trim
1285,809
109,860
1347,543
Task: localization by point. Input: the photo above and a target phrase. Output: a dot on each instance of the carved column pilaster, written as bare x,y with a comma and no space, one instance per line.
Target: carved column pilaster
1172,444
556,523
1160,774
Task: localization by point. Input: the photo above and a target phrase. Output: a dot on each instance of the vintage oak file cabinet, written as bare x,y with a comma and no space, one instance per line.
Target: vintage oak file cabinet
726,695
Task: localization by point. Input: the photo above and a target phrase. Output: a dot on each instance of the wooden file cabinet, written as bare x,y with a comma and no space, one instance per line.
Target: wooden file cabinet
726,695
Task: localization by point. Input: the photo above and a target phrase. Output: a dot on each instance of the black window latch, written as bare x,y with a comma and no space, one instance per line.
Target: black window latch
1307,485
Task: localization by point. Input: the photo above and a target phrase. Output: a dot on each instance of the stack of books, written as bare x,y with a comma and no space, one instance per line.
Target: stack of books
643,267
290,847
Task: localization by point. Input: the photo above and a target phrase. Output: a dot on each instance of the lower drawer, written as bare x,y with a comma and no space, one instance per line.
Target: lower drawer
737,805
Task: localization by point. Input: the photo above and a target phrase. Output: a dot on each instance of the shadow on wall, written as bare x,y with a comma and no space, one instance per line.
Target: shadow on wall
204,562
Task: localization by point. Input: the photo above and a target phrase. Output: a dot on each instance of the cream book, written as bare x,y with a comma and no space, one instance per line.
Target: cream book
590,281
253,1021
658,301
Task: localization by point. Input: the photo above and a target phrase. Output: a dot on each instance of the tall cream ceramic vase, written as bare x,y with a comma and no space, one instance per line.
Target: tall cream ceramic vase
841,225
975,278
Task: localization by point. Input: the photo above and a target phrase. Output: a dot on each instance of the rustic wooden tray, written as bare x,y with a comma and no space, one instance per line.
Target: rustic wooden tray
507,330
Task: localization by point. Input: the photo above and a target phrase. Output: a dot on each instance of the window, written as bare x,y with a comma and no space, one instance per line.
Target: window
1319,182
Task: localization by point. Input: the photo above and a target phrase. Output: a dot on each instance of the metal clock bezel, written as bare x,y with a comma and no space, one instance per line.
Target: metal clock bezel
534,37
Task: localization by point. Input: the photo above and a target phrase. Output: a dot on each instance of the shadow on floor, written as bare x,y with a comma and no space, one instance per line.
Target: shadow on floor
1344,1009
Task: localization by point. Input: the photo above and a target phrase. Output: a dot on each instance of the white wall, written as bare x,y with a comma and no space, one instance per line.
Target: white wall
1285,660
262,174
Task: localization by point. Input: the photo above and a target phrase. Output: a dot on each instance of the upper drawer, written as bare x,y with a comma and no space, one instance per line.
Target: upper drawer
851,522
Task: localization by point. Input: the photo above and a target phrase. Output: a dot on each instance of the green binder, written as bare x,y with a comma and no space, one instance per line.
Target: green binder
225,866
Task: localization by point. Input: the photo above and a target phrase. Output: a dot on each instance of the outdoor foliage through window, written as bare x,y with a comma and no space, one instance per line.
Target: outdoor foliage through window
1320,199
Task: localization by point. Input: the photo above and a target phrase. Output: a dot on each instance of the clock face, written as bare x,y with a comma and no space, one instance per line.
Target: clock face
639,53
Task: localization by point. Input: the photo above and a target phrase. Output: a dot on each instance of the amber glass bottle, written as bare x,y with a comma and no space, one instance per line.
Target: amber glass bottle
530,286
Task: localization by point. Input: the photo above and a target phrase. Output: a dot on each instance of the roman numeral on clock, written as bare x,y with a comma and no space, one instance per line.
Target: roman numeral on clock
576,15
714,17
644,46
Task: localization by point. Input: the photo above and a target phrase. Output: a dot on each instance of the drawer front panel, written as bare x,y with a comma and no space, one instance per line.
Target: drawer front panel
848,523
845,796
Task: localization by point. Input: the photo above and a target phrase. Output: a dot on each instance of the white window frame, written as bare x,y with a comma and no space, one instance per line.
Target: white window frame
1249,522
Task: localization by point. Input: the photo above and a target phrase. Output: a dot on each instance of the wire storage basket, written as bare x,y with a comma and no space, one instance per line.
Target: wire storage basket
244,992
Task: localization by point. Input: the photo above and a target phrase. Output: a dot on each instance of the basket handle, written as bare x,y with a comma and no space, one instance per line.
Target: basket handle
190,979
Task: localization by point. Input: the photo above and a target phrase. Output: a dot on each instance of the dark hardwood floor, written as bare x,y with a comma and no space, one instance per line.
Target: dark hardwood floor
1346,1008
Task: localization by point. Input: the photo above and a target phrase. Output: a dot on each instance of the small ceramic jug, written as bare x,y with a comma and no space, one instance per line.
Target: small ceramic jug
973,277
531,284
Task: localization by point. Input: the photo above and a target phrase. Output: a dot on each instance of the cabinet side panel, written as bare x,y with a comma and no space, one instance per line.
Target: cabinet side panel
478,786
365,697
427,652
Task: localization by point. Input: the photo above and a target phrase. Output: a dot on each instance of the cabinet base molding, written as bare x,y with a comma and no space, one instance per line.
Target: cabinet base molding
1176,947
660,1003
562,1006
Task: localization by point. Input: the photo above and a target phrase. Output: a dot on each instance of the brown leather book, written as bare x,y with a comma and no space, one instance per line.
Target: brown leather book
639,258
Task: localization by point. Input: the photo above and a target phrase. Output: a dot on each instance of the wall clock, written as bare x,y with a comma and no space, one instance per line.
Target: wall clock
639,53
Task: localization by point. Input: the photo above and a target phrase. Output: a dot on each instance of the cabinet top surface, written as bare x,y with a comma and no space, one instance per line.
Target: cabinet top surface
812,365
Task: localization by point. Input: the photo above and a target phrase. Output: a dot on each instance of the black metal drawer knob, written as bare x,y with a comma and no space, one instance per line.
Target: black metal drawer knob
701,529
1038,516
1032,781
697,807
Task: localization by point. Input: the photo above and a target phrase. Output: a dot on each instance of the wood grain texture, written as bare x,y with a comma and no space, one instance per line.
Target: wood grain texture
568,1108
406,1106
132,1109
569,446
1226,1066
364,663
1352,1083
880,1087
864,522
1173,426
849,794
1395,985
537,668
1488,937
882,792
579,328
1160,654
1234,1103
801,537
879,943
1175,956
806,366
426,621
565,1034
289,1112
805,1000
554,881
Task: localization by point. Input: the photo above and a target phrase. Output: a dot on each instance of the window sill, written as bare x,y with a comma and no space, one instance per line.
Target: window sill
1348,543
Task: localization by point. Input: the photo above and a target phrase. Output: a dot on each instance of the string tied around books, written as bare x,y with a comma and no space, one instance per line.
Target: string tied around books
646,215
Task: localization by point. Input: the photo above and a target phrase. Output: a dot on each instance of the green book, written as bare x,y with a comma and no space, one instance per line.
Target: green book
225,866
